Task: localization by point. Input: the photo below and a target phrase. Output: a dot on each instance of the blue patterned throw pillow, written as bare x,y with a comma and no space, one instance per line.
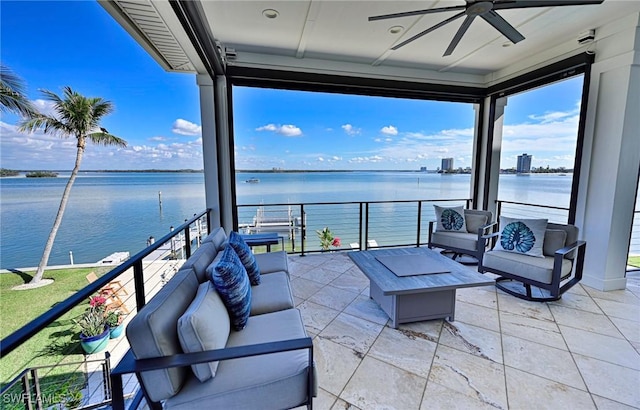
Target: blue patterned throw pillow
232,283
450,219
246,256
525,236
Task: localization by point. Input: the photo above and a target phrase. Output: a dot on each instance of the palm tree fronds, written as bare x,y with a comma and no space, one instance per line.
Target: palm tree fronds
12,94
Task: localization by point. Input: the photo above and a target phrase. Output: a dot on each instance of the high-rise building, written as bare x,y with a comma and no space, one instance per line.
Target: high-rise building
447,164
524,164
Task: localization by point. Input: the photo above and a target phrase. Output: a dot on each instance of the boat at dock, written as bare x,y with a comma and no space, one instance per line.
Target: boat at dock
252,181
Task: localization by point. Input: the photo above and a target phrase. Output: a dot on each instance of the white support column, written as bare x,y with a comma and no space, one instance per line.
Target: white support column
488,187
609,173
209,146
225,156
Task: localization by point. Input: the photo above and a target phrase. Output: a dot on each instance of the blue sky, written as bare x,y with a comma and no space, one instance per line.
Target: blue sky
76,43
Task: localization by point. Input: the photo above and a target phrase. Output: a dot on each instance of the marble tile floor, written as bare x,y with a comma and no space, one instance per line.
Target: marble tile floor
581,352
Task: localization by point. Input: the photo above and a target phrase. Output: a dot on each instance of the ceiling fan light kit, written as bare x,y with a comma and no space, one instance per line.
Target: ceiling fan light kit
487,11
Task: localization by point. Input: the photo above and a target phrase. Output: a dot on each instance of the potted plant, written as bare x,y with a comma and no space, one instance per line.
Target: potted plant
94,334
327,239
114,318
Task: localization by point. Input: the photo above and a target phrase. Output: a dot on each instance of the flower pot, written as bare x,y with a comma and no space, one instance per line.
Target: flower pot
115,332
95,344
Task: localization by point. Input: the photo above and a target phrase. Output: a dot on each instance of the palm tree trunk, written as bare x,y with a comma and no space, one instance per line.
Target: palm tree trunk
58,221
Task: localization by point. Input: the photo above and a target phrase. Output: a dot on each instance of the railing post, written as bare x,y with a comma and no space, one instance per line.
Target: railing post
360,227
187,241
499,210
419,223
26,391
106,376
366,225
303,229
138,280
36,384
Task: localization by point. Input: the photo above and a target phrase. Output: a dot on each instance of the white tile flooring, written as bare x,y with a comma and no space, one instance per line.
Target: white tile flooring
581,352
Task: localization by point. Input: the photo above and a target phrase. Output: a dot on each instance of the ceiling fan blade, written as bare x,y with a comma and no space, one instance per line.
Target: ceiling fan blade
429,30
502,26
523,4
456,39
416,13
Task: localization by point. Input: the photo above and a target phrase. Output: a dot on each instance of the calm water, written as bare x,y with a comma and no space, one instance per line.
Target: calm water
113,212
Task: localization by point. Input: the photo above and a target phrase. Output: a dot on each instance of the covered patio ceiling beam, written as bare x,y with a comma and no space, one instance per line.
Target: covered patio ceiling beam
194,22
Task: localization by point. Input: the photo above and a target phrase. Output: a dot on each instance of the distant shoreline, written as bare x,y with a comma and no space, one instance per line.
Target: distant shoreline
266,171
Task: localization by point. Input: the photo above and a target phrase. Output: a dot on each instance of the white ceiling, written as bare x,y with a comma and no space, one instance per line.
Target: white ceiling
334,36
339,31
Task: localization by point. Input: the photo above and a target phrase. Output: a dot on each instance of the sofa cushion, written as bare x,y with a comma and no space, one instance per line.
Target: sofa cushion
273,262
153,333
572,236
246,256
524,236
204,326
525,266
232,283
201,259
273,294
554,239
217,237
450,219
273,381
462,240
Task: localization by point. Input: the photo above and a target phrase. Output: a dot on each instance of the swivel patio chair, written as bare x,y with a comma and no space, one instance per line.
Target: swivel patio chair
467,242
538,278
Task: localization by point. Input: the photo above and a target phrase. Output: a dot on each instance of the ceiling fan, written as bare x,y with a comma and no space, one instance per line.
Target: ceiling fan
484,9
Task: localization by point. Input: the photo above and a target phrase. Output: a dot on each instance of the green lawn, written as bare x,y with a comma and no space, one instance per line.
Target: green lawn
634,261
54,344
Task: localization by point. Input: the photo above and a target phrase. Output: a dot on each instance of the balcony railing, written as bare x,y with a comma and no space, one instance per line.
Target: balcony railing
359,225
144,274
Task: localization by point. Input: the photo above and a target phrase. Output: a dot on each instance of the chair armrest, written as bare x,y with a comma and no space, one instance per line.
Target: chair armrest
129,364
431,223
569,248
485,228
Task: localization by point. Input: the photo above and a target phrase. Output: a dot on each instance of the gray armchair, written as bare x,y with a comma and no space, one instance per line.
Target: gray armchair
534,278
478,222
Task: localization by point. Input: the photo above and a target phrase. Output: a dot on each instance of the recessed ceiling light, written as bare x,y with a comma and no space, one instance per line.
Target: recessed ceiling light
270,13
507,44
396,29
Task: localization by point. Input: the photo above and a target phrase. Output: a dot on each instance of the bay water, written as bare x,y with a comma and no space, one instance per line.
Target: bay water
118,211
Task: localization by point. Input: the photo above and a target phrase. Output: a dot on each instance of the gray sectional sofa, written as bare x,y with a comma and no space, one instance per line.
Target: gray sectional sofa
186,355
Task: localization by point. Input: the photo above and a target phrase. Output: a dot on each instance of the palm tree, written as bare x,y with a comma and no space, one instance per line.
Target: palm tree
12,97
76,116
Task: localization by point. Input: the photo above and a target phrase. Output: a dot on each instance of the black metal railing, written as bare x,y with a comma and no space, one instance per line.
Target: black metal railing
555,214
358,224
78,388
160,248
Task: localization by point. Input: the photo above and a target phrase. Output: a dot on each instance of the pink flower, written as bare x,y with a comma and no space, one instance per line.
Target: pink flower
336,242
97,301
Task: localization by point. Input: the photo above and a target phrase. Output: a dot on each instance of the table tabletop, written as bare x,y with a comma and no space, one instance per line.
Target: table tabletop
459,276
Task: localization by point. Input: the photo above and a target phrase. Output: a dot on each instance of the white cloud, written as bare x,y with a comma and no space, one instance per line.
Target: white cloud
43,151
389,130
288,130
184,127
45,107
320,159
360,160
351,130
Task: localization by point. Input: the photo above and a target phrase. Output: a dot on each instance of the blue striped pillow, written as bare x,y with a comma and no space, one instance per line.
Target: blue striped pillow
246,256
232,283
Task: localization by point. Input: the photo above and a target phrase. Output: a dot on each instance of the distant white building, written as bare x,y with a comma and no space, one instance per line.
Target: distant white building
524,164
447,164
